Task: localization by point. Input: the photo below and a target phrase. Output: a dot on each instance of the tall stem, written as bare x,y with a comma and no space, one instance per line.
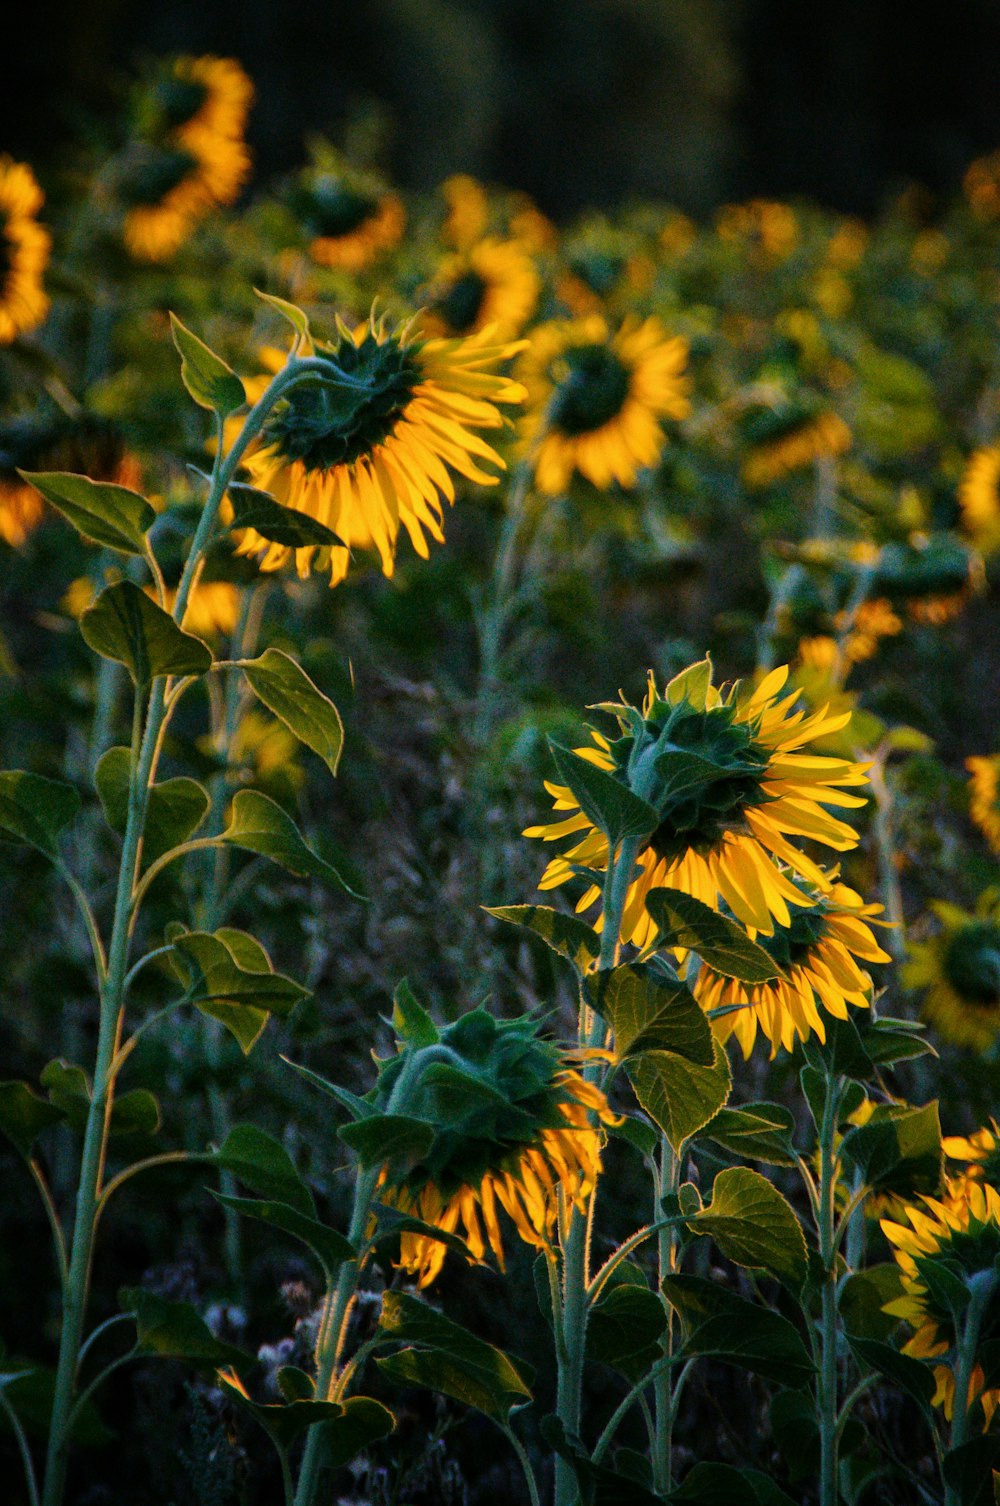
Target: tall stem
827,1386
667,1182
983,1287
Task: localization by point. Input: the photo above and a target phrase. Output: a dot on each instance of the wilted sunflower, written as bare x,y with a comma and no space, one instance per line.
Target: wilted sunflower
493,285
984,797
980,1152
785,438
24,251
959,970
188,157
719,835
513,1132
818,951
372,450
597,401
963,1234
979,498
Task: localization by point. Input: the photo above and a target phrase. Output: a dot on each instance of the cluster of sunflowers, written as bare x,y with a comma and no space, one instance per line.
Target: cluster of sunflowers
779,433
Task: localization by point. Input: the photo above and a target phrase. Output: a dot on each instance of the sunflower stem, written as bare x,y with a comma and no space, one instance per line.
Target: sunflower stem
666,1183
982,1288
828,1376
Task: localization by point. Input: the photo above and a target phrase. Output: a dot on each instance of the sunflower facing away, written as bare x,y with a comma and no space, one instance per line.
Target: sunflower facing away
984,797
979,499
819,951
189,156
785,439
24,252
959,971
964,1232
493,285
513,1133
721,836
596,402
373,451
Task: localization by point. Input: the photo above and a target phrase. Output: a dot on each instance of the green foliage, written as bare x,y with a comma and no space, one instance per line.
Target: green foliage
604,799
109,515
205,375
233,982
719,1324
255,509
567,935
259,825
176,1331
284,688
175,808
445,1357
754,1225
679,1095
36,810
126,625
684,921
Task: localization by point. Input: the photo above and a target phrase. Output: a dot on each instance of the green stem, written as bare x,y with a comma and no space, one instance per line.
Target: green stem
892,893
498,607
525,1462
17,1429
827,1384
617,1417
667,1182
982,1288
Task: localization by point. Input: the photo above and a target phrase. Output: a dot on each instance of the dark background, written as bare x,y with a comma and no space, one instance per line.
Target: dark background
581,102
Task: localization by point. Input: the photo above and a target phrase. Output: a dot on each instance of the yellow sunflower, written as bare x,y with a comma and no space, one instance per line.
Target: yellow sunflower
872,621
979,499
959,971
982,186
984,797
21,511
189,156
374,452
596,402
722,837
980,1152
789,440
818,951
213,608
468,210
964,1232
493,285
24,252
762,225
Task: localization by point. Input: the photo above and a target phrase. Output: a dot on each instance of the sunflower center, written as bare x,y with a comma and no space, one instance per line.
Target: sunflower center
334,210
598,270
328,423
591,385
972,963
460,306
179,100
152,172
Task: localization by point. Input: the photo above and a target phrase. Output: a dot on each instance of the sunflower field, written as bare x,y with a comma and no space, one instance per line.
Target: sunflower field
500,805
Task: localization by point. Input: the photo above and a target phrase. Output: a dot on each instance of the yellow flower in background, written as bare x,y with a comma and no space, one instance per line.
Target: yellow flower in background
771,227
21,511
964,1231
562,1162
468,210
787,444
24,252
375,452
980,1152
847,245
190,156
213,608
819,950
984,797
979,499
493,285
982,186
722,841
596,401
872,621
360,233
958,971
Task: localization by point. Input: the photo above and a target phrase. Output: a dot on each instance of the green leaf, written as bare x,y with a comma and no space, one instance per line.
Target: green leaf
106,514
910,1375
755,1132
283,1421
638,1133
240,998
260,511
410,1019
754,1225
898,1150
175,809
450,1359
624,1328
126,625
720,942
604,800
692,685
395,1140
680,1096
24,1115
392,1223
721,1325
285,688
724,1485
68,1086
361,1423
258,824
290,311
329,1247
969,1470
136,1112
35,810
208,379
355,1106
888,1041
649,1012
30,1390
863,1296
568,935
843,1052
256,1158
177,1330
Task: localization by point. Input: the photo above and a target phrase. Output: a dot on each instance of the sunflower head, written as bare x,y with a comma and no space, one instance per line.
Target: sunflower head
933,575
789,435
959,972
979,499
350,217
492,285
724,771
984,796
948,1251
511,1129
980,1152
24,252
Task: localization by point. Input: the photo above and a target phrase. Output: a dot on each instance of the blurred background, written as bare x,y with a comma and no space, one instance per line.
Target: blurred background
587,103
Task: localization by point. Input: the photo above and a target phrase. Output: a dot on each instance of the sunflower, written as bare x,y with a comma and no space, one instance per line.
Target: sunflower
785,439
979,499
818,951
718,836
24,252
213,608
21,511
373,449
493,285
760,224
984,797
980,1151
982,186
597,401
189,156
959,969
468,210
963,1234
351,217
872,621
85,445
514,1131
